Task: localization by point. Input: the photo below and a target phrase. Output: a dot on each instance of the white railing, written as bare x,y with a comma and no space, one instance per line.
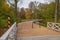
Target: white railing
10,34
54,26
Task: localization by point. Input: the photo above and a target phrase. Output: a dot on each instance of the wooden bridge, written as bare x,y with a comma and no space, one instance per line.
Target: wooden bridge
24,31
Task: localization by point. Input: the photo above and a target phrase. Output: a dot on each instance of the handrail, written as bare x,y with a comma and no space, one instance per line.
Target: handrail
12,29
54,26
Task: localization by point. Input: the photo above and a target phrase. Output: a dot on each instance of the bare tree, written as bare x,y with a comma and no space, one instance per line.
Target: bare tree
12,2
31,6
22,13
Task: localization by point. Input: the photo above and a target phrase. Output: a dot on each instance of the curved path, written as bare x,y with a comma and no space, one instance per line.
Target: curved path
25,29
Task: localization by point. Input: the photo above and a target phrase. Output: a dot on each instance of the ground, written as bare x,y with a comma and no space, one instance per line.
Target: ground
2,31
25,29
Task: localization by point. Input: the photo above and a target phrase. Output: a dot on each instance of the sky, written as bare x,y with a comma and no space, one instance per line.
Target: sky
26,3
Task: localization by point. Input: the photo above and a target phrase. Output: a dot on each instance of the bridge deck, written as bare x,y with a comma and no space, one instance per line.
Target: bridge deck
25,29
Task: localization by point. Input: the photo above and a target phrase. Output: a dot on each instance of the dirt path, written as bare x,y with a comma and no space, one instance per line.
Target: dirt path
25,29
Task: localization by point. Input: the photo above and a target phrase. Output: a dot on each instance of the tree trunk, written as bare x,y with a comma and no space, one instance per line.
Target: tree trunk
56,9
